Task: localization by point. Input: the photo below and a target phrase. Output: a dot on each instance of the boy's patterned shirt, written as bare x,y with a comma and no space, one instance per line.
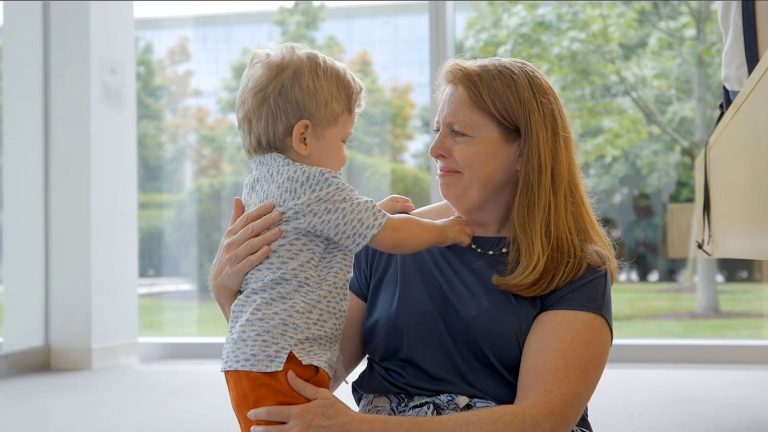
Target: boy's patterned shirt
296,299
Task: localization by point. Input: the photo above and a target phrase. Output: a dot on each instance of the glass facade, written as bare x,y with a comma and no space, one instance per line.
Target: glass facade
191,163
641,84
2,290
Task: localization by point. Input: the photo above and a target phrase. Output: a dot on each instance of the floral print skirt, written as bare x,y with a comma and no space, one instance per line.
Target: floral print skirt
420,406
423,406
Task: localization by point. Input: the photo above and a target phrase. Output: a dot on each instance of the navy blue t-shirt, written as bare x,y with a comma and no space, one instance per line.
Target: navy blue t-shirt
435,323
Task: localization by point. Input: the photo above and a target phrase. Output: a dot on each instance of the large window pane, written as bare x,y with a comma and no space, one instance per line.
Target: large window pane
191,164
2,290
641,84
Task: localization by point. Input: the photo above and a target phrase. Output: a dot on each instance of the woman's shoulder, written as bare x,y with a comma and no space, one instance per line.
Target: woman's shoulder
592,280
590,292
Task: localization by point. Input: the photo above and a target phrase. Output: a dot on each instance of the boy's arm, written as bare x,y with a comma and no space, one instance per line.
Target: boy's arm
402,234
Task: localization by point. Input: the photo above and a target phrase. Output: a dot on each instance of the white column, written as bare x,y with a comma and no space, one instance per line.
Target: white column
92,237
24,212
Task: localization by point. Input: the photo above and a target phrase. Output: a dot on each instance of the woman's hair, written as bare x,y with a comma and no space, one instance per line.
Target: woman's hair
287,84
554,234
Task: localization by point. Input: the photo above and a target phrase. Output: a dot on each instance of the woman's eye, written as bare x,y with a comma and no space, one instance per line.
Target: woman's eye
454,132
436,130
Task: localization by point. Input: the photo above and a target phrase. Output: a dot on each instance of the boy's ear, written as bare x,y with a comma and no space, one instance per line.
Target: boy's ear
300,137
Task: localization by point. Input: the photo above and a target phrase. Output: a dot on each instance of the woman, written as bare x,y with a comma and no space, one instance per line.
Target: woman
512,332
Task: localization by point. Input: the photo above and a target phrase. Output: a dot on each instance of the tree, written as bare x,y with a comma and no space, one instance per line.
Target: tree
191,161
170,128
639,80
299,24
151,117
388,113
385,126
166,122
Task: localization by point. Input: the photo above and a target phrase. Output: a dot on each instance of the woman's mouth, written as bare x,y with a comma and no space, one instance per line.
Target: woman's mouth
443,172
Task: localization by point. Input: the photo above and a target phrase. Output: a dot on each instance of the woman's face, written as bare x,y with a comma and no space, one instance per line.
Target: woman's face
476,162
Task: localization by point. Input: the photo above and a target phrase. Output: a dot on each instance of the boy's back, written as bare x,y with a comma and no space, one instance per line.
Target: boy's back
295,301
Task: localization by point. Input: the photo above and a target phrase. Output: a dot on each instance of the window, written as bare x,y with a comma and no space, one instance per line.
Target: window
2,291
641,84
191,164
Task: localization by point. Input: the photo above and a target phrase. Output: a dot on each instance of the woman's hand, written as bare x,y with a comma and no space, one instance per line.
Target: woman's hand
322,413
245,245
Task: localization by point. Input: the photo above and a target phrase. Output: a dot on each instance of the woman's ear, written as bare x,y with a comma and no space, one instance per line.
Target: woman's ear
300,137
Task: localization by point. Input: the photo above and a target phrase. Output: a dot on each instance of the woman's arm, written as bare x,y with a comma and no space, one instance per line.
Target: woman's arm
563,359
441,210
351,340
244,245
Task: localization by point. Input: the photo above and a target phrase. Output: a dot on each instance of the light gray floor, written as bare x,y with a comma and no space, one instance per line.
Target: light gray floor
190,396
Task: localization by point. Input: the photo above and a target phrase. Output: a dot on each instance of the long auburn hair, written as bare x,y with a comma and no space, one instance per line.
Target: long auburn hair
554,234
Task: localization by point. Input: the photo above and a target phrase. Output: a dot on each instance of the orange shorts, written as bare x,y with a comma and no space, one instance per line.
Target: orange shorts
249,390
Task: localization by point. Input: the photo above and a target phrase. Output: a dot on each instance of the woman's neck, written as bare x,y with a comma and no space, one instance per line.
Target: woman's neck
490,222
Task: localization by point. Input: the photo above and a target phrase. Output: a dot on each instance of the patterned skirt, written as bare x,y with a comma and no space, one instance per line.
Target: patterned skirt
420,406
424,406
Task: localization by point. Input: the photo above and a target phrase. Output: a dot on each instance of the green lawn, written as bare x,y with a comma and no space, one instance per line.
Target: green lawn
639,312
644,310
160,317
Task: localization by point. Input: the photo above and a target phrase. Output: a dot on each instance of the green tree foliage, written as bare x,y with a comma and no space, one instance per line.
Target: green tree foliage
388,113
639,79
191,161
376,178
640,82
166,121
386,125
300,22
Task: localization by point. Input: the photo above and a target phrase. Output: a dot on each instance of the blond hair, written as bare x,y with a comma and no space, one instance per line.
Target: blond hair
554,234
287,84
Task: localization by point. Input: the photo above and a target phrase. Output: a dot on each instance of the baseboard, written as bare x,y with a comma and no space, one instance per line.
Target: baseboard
689,351
23,361
161,348
623,351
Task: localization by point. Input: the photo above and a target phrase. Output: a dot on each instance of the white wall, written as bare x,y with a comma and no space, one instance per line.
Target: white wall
92,185
24,231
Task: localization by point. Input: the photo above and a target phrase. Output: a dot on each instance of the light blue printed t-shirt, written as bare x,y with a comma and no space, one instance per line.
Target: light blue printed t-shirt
296,299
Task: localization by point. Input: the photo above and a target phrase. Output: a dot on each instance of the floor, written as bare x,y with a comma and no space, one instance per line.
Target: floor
190,396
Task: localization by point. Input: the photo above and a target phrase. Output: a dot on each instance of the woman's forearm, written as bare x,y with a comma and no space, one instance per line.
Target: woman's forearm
224,301
351,340
440,210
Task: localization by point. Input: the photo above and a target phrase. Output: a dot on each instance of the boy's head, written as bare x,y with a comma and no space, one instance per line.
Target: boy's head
291,94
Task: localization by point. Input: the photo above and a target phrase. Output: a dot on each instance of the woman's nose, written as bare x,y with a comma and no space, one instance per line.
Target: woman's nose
436,149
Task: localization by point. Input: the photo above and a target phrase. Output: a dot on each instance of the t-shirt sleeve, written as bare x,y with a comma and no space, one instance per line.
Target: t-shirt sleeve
334,210
360,284
589,293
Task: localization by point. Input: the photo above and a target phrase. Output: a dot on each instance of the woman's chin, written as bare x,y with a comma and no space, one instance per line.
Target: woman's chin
449,194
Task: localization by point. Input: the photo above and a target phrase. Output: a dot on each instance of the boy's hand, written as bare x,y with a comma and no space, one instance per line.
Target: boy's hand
456,231
395,204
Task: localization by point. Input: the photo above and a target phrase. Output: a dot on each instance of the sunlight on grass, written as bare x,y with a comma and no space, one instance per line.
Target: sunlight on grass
664,310
161,317
640,310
